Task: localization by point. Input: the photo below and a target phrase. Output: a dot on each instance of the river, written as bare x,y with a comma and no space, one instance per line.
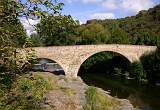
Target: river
143,97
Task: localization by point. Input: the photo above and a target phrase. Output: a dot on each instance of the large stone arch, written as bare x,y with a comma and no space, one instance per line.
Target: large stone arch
98,52
83,58
91,54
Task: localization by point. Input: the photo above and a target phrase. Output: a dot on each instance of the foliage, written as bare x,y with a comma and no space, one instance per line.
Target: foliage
25,58
5,82
93,33
142,29
12,34
151,65
57,30
118,35
137,71
32,8
26,93
17,61
36,40
11,30
98,101
130,30
144,25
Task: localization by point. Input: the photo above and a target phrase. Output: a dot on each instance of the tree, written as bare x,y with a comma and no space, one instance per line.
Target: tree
36,40
57,30
151,65
147,38
118,35
12,34
11,31
137,71
93,33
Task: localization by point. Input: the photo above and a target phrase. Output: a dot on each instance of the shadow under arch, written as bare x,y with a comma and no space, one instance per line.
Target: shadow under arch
95,70
101,56
48,65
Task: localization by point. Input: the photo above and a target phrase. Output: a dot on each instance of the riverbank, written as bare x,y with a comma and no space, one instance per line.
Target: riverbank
73,94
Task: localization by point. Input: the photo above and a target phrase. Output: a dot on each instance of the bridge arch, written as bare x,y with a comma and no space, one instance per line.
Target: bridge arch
114,52
48,65
114,55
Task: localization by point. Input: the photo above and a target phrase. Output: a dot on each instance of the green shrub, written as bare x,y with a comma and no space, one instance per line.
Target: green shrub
151,65
26,93
137,71
25,84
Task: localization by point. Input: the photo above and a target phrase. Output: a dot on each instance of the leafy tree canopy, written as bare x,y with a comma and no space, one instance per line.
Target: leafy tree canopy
57,30
12,34
11,30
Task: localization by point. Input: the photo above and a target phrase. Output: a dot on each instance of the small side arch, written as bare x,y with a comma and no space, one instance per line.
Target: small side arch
48,65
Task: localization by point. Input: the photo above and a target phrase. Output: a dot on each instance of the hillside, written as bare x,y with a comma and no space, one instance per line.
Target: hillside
144,28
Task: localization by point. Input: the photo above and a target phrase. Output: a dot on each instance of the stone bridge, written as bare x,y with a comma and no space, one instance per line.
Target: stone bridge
70,58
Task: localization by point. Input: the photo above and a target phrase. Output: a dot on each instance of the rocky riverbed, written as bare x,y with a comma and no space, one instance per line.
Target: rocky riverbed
69,94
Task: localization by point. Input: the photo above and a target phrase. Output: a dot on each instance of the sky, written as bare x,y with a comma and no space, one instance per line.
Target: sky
84,10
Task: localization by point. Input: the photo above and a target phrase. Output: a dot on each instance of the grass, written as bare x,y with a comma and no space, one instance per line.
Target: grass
63,78
98,101
68,91
52,81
